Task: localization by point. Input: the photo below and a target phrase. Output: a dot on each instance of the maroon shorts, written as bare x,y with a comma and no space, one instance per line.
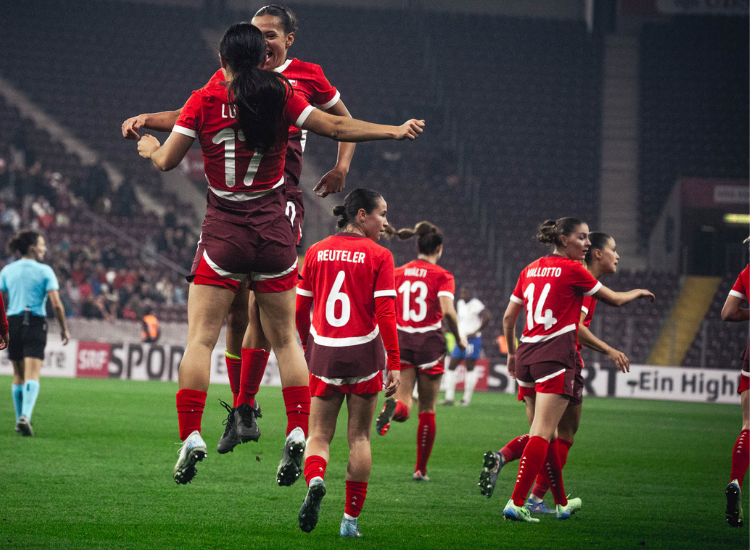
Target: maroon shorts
228,254
745,374
547,377
422,350
295,211
356,361
362,385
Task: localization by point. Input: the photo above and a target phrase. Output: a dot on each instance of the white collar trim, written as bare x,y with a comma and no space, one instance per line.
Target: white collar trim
282,68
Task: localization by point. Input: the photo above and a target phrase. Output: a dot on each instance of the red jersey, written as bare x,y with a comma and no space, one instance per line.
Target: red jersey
740,288
552,288
344,274
310,84
236,174
420,285
588,307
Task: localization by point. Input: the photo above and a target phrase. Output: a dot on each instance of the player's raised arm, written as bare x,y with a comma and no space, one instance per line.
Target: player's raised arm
341,128
158,122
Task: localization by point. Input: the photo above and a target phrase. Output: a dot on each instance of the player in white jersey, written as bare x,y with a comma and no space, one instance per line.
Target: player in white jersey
472,318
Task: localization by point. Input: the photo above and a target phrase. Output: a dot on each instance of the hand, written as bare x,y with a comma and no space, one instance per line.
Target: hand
512,366
147,145
462,343
65,336
647,294
620,359
392,383
131,126
410,129
3,341
333,182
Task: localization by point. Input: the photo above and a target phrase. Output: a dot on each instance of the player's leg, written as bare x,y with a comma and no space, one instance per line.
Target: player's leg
740,461
429,386
324,411
237,320
361,409
207,308
470,381
277,320
16,390
450,376
398,407
557,455
30,392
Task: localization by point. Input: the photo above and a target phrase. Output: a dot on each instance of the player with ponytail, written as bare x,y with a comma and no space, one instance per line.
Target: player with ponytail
425,298
246,237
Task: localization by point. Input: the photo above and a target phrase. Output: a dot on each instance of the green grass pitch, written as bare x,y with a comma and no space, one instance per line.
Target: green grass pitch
98,475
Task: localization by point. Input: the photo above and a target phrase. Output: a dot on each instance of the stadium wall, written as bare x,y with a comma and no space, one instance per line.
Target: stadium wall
159,362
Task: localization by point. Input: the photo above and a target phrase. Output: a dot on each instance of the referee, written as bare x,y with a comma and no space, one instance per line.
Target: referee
28,282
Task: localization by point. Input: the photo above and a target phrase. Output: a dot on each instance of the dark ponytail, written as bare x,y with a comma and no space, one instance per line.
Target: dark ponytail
429,237
598,241
259,96
354,201
551,230
22,242
286,16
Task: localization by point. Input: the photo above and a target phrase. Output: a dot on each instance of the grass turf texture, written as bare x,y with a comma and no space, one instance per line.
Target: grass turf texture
98,475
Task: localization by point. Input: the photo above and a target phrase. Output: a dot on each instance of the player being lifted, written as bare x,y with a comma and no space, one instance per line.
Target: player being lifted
247,348
734,312
551,289
425,299
242,124
349,279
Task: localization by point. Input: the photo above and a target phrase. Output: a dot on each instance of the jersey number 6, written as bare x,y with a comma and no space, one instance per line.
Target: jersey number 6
337,296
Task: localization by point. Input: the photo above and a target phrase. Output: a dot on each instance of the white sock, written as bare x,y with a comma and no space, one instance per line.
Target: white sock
450,385
535,499
470,383
348,517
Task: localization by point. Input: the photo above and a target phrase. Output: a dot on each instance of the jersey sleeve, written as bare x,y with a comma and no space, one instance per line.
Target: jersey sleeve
583,281
587,300
517,295
447,286
385,280
3,284
304,286
739,289
324,95
51,283
297,110
190,119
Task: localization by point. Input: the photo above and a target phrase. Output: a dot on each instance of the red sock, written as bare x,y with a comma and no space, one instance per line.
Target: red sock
553,470
425,439
401,414
315,466
190,405
297,401
531,461
514,449
234,368
253,368
356,492
741,457
541,487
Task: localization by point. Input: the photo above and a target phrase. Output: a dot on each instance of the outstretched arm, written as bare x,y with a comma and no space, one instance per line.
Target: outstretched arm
168,156
340,128
158,122
617,299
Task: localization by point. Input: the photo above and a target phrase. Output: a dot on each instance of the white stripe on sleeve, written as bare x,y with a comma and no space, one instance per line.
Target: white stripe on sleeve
303,116
516,299
593,290
185,131
385,293
328,104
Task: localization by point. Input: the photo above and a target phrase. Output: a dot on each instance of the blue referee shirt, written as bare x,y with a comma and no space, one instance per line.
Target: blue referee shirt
27,283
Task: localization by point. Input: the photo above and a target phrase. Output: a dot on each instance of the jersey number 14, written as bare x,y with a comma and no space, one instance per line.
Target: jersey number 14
532,316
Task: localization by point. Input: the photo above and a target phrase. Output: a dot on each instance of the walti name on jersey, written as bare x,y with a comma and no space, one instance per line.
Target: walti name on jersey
341,256
544,272
415,272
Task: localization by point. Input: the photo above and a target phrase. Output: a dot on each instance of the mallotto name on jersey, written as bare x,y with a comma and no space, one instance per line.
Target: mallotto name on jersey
544,272
341,256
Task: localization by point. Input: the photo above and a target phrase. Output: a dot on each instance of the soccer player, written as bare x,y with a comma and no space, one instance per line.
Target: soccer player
248,348
242,124
551,289
472,318
734,312
601,259
28,283
349,279
425,299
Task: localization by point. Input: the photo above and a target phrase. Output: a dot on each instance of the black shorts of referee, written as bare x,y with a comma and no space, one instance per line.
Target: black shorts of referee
26,340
